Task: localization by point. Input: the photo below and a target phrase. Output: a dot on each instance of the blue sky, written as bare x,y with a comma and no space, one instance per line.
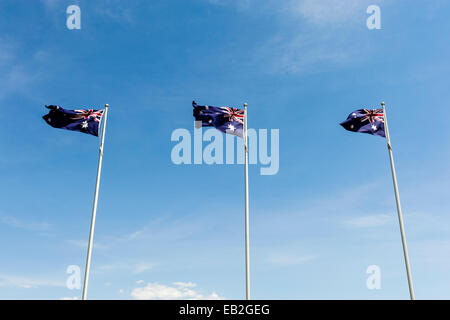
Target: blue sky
177,231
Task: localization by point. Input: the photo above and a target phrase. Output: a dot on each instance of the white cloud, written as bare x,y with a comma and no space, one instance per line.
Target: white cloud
69,298
369,221
179,290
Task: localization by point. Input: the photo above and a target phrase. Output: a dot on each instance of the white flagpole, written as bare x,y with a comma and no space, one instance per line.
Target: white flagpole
399,208
247,248
94,207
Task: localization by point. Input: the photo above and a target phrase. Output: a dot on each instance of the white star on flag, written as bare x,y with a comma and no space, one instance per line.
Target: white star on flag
84,124
231,127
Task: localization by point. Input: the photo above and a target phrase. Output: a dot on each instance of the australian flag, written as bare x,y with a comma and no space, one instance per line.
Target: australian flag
86,121
369,121
225,119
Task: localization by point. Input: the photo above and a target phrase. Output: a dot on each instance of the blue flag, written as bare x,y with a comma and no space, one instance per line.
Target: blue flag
366,121
86,121
225,119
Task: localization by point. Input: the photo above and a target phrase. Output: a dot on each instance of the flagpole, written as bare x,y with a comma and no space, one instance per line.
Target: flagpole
247,247
94,207
399,208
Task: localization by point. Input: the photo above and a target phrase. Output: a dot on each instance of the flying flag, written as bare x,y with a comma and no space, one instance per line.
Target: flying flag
366,121
86,121
225,119
233,121
375,122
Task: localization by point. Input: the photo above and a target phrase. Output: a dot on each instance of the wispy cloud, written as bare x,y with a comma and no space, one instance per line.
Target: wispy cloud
116,13
330,13
17,77
238,4
309,35
26,225
176,291
185,284
69,298
27,283
135,268
289,259
304,53
84,244
6,52
316,12
165,228
50,4
142,267
369,221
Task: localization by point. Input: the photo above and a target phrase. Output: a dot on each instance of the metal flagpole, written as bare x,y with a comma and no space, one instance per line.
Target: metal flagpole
399,208
94,207
247,248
